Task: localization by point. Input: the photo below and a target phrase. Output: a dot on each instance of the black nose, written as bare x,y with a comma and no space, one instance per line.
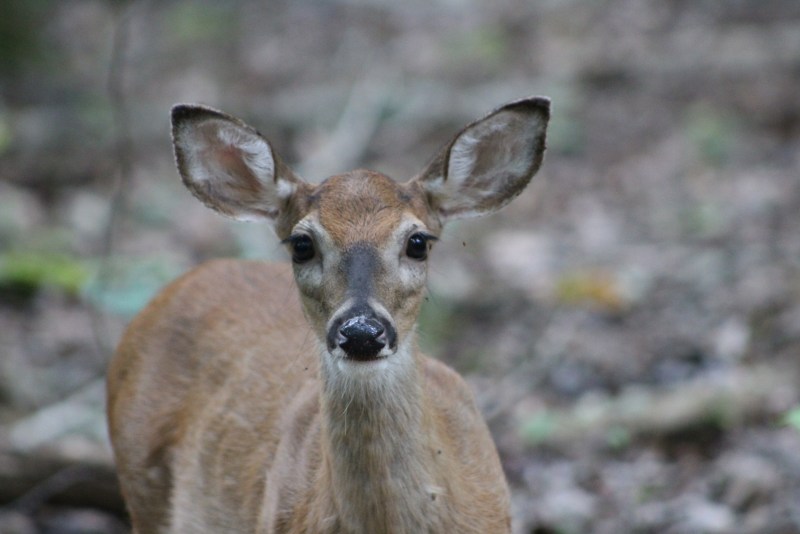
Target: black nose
361,338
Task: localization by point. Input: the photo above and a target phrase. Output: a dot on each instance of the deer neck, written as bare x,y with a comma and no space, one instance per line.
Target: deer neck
376,456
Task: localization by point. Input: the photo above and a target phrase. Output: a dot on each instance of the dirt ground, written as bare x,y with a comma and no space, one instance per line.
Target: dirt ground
630,324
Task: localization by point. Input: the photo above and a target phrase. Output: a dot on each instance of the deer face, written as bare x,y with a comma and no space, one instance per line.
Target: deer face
359,255
359,241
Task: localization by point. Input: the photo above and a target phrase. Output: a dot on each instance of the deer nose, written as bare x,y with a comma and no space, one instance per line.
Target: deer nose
361,338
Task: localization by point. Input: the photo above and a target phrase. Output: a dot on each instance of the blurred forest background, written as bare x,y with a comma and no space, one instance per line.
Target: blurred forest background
630,324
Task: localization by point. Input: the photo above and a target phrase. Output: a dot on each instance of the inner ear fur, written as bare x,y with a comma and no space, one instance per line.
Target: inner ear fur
489,162
228,165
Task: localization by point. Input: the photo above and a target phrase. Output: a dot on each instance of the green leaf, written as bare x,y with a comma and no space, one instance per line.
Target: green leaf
538,428
618,437
123,287
792,418
713,133
27,272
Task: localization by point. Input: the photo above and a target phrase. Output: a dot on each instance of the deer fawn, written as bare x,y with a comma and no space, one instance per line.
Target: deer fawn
235,406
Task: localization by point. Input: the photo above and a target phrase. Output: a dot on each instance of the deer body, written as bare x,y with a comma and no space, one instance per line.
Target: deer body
255,397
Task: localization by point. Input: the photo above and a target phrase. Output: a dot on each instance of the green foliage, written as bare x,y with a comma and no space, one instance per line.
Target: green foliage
20,33
712,133
95,115
792,418
123,287
24,273
440,325
542,427
486,46
564,135
538,428
618,437
435,324
704,220
566,131
6,134
479,53
201,21
591,289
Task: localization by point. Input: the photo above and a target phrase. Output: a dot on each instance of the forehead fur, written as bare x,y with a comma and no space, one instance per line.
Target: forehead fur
366,206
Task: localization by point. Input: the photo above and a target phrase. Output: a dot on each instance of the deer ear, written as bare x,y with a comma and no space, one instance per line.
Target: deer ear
228,165
490,162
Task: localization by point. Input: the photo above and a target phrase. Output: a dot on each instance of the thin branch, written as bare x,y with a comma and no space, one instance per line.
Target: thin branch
123,150
737,396
361,115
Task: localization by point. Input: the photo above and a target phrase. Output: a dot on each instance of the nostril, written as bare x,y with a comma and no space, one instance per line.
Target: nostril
361,337
361,327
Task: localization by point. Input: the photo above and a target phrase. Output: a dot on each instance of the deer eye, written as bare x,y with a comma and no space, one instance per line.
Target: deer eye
302,248
417,247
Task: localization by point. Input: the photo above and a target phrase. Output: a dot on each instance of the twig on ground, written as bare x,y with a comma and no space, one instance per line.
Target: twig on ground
725,399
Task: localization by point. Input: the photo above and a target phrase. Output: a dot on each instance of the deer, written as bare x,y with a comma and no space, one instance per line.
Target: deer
258,397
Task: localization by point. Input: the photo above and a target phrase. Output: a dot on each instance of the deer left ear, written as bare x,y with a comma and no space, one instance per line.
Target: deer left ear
228,165
490,162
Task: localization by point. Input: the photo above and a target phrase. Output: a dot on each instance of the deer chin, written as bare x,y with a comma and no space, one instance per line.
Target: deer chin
388,364
346,361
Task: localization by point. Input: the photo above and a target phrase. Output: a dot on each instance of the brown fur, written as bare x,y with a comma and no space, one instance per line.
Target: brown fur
207,410
369,201
233,407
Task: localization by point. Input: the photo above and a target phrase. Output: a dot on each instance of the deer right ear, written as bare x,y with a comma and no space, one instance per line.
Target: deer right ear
490,162
228,165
